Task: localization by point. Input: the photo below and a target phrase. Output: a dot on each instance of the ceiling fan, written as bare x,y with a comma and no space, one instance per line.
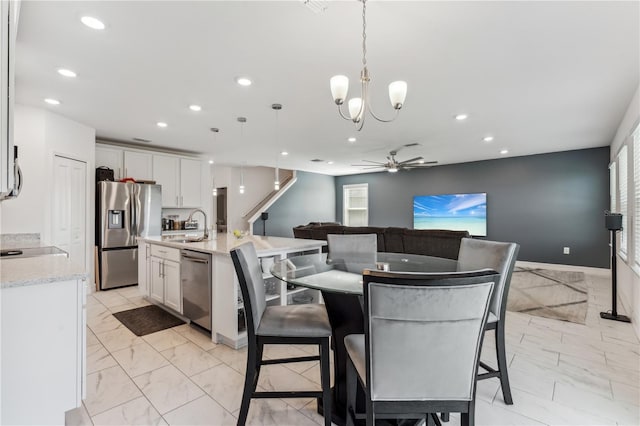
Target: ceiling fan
392,165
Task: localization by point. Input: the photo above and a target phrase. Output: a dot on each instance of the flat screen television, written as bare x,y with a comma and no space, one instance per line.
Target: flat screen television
457,212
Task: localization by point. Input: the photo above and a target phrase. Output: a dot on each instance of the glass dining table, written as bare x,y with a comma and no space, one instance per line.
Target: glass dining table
340,283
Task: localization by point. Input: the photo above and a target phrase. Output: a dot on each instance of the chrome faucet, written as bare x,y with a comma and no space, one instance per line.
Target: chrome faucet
206,227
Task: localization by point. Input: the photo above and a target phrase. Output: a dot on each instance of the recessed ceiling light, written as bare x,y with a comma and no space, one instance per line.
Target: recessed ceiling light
329,162
243,81
488,138
92,22
210,161
195,107
66,72
284,153
51,101
461,117
351,139
161,124
504,151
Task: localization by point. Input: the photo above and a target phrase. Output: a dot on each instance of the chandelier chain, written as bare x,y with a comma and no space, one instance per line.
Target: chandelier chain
364,33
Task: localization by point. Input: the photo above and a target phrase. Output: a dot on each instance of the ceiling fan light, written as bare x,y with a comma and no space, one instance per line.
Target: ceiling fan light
392,169
339,88
397,93
355,109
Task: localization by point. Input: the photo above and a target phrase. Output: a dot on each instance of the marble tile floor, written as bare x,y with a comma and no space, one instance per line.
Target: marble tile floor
561,373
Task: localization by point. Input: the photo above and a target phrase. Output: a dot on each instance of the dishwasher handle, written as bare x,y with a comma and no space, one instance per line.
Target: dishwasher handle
194,259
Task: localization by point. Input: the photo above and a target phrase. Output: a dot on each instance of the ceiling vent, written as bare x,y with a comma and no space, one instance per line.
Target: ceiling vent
317,160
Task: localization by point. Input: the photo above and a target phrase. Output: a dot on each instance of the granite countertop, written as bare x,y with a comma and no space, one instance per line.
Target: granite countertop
223,243
38,270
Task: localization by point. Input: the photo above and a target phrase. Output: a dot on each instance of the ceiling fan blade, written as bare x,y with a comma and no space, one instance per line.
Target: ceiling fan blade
368,166
426,163
411,160
374,162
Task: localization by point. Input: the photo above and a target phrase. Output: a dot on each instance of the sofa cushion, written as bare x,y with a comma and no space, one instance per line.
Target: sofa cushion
320,232
433,242
393,240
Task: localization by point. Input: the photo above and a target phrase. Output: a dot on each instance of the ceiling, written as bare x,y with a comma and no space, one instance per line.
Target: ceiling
538,76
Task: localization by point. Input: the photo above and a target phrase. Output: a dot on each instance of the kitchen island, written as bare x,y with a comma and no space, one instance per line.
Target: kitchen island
159,280
42,313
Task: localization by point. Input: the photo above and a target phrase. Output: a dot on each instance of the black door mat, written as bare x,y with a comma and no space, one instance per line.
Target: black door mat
147,320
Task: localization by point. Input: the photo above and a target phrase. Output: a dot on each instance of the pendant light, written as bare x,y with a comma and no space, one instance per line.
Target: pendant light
214,190
241,120
276,182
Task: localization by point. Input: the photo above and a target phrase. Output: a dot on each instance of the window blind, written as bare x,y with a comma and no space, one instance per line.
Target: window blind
622,179
636,192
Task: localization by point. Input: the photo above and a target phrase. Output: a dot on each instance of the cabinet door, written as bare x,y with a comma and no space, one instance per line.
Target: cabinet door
165,173
190,182
156,290
111,158
144,267
138,165
172,288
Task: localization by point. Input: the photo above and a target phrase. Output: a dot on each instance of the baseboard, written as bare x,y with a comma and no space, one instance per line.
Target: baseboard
559,267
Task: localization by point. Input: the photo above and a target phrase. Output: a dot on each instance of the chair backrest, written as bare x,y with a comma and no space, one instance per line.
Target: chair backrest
356,251
475,254
423,333
247,265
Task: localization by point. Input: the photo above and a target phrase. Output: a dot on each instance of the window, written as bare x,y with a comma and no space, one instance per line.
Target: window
612,188
636,191
622,178
355,205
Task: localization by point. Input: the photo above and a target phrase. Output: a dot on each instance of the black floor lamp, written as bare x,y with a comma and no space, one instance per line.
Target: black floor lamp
264,216
613,222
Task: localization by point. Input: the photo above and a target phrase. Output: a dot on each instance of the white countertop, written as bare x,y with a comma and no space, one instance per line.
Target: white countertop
38,270
223,243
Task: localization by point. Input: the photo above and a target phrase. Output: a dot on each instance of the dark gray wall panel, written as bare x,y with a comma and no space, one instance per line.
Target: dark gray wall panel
543,202
311,199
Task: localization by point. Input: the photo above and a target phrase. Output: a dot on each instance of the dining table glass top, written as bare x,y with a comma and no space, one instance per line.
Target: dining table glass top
337,276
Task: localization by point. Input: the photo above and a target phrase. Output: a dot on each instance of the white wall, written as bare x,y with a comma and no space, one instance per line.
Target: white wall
40,135
628,279
258,182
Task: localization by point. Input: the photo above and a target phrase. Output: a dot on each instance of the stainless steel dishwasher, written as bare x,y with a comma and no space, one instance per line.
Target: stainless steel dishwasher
195,276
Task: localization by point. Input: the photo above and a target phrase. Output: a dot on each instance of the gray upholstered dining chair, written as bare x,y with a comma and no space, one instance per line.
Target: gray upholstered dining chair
474,254
420,350
294,324
356,251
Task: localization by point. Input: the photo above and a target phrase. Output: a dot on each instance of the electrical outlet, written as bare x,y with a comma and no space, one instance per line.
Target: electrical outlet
566,250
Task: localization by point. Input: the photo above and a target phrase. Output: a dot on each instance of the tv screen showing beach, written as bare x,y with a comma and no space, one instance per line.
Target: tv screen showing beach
457,212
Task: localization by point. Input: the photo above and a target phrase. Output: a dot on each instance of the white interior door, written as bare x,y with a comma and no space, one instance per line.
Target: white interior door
69,207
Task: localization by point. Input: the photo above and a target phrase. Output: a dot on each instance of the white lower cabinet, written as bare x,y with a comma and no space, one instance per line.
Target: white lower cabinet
43,351
164,277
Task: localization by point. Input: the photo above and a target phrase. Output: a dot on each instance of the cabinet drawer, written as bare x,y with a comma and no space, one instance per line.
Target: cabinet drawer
167,253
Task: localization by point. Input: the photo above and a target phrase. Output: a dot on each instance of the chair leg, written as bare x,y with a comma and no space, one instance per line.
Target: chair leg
469,418
371,418
250,380
502,364
325,380
352,390
444,417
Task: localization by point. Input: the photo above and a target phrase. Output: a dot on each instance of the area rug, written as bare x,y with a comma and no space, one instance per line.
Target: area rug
551,294
147,320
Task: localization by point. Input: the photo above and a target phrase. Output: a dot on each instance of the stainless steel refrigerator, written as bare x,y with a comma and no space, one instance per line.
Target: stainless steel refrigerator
124,212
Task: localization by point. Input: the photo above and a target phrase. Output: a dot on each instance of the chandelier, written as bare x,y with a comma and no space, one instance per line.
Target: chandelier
359,106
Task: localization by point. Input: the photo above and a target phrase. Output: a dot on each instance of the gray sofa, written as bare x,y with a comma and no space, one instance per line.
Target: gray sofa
429,242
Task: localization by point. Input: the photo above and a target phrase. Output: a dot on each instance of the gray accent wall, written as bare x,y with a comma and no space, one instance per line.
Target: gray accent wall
311,199
543,202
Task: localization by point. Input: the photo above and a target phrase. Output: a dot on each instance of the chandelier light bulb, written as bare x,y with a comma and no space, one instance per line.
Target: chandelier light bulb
242,189
276,185
214,192
397,93
355,109
339,88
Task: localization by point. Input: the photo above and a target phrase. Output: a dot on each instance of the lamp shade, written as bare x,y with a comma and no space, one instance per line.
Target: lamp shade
397,93
339,88
355,109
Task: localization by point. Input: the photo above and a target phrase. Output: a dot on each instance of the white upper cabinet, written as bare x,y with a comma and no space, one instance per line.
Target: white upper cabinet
111,158
138,165
166,173
190,183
